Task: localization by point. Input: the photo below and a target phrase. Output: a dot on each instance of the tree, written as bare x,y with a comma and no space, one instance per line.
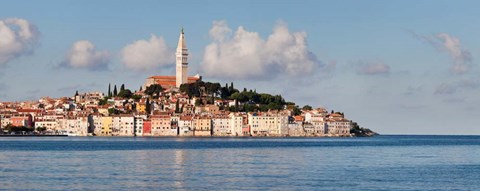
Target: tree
113,111
198,102
109,90
148,106
297,111
126,93
103,101
115,90
307,108
140,88
177,106
122,87
154,90
76,93
41,129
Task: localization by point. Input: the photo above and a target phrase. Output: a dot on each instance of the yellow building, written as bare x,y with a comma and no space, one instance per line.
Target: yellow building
202,126
141,108
106,126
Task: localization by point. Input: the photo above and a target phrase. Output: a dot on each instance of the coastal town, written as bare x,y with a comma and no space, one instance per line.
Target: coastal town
179,105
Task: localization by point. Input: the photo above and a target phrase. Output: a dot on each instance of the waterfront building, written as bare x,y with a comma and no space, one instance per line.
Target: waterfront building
107,122
123,125
48,124
147,128
185,125
22,120
138,128
236,124
161,126
202,126
221,125
267,124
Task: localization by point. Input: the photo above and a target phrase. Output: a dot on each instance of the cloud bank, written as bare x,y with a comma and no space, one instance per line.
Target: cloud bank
147,54
446,43
83,55
245,55
18,37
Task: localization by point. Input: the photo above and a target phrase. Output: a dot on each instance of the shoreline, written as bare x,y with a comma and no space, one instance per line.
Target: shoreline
254,137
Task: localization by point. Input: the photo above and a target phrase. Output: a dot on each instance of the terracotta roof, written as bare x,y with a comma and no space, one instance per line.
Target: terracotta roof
298,118
186,118
29,110
172,77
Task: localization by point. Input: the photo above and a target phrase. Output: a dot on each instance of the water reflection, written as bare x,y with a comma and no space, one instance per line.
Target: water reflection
179,169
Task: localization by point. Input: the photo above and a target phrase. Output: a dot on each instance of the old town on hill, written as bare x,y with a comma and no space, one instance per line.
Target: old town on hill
173,106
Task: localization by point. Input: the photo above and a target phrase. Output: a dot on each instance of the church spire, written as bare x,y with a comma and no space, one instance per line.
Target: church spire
181,41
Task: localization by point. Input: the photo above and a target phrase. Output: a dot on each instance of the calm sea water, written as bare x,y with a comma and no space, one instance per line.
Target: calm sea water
378,163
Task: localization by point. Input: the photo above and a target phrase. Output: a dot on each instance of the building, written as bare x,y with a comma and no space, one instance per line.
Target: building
147,128
181,77
161,126
168,82
181,61
202,126
267,124
221,125
236,124
123,125
107,125
185,125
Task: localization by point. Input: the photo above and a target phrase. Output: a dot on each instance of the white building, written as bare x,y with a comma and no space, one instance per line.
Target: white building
236,124
123,125
263,124
185,124
221,126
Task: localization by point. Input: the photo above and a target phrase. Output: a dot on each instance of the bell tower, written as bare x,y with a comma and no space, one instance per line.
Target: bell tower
181,61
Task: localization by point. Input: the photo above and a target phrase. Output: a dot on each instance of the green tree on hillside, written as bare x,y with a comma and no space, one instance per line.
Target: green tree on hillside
307,108
154,90
115,92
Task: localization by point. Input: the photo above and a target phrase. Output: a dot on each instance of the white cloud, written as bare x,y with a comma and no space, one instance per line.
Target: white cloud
446,43
17,37
372,67
244,54
147,54
83,54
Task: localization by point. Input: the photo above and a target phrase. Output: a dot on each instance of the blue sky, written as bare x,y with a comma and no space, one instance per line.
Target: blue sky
398,67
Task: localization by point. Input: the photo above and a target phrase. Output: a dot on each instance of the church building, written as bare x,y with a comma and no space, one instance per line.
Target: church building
181,62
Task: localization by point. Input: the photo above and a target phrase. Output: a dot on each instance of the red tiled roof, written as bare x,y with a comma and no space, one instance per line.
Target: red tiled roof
29,110
172,77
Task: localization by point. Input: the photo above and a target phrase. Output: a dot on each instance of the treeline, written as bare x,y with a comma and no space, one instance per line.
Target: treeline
245,101
361,131
123,93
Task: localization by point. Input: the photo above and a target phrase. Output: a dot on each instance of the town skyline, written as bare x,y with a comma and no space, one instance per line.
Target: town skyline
392,72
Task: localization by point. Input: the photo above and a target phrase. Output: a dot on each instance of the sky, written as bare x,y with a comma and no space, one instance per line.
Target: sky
397,67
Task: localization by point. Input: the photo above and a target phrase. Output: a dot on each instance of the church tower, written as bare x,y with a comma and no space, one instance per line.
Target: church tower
182,61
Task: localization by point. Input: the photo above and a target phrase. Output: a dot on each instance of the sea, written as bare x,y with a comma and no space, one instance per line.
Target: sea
386,162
